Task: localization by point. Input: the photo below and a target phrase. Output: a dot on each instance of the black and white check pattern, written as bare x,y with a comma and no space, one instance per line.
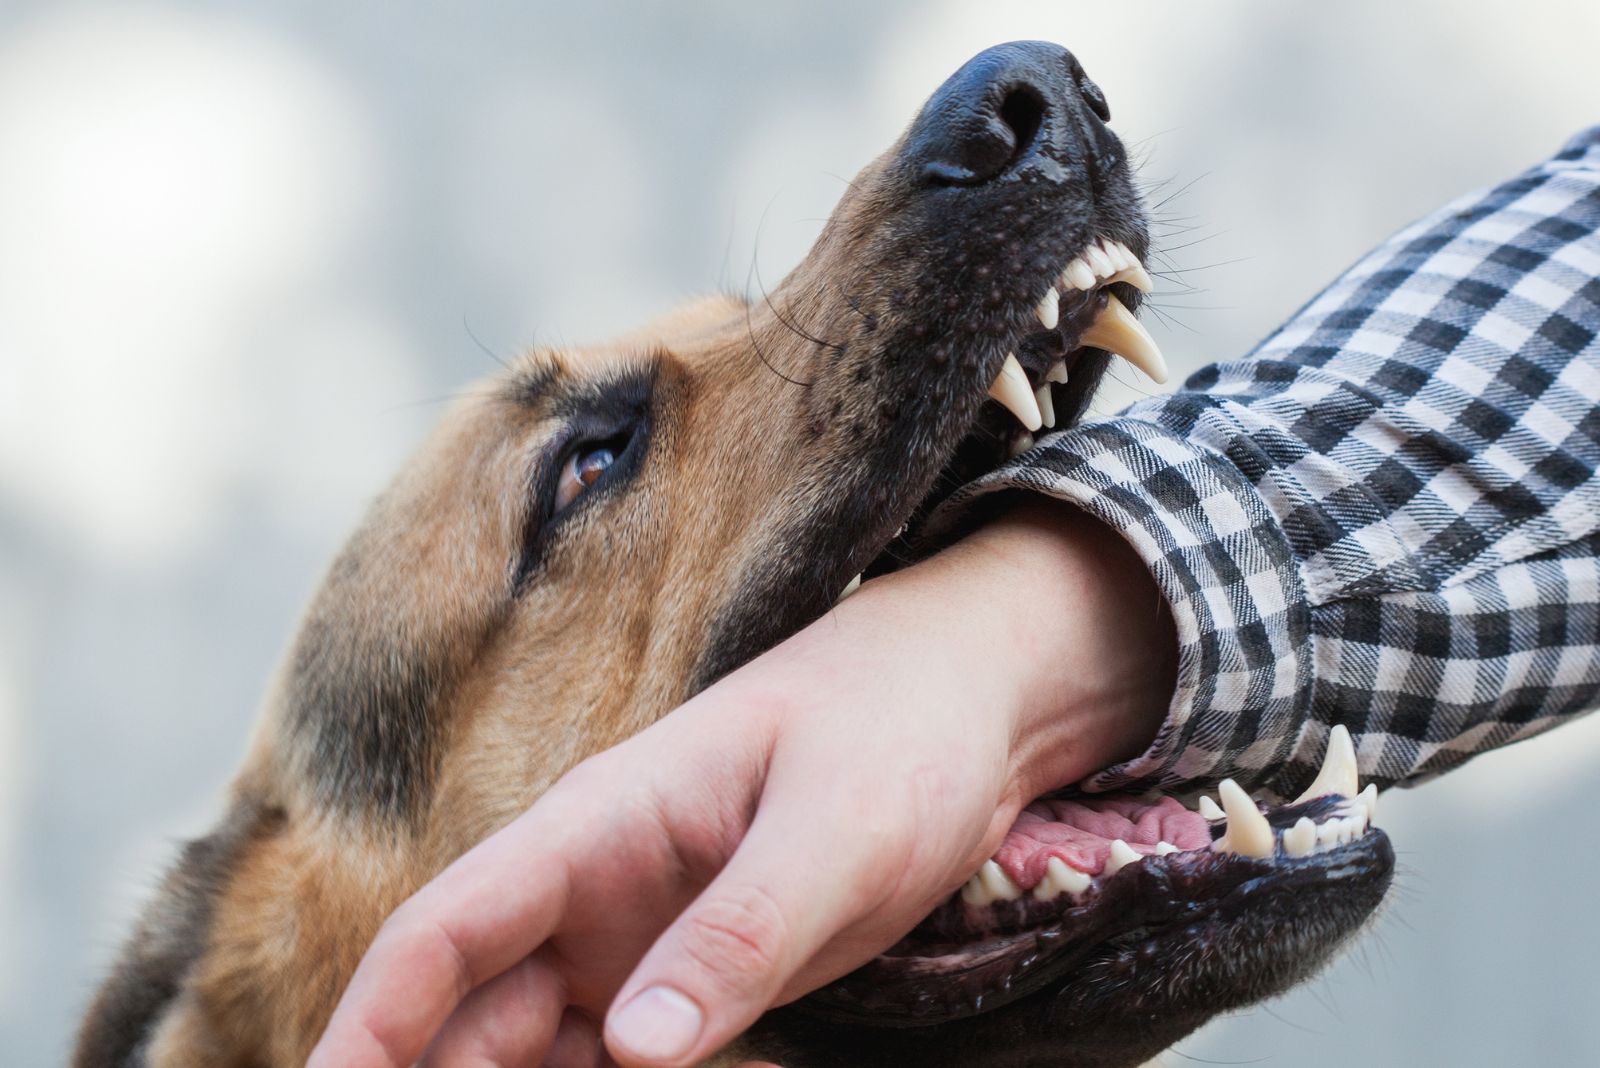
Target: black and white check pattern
1388,515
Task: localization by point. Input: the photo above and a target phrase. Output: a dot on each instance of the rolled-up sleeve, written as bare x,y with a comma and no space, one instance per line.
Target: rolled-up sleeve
1387,515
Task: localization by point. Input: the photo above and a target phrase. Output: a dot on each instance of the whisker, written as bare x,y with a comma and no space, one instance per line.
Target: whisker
476,340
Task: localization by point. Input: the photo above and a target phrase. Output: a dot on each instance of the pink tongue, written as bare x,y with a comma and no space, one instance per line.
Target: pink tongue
1080,833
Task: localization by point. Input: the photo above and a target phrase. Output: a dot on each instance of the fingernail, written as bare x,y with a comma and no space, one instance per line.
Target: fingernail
659,1024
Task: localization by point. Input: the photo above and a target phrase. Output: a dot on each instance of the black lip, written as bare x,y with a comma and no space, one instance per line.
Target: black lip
934,976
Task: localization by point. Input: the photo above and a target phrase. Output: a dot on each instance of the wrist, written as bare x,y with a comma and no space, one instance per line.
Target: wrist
1085,641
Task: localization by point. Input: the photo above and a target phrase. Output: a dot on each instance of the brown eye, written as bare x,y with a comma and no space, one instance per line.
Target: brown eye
582,470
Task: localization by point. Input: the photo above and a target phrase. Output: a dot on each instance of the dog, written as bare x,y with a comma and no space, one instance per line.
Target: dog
603,531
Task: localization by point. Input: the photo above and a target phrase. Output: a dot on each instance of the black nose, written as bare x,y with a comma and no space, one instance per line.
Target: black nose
1027,103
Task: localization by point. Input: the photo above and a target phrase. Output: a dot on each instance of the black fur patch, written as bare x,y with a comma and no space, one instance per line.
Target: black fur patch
171,936
365,688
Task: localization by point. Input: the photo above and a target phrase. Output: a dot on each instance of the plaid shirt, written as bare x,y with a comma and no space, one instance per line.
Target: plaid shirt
1388,515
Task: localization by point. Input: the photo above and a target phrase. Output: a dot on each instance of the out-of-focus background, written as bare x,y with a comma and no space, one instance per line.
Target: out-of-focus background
245,249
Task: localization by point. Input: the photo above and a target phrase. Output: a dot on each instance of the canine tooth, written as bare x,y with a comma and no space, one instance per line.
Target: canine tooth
1122,855
1047,405
973,892
1079,275
1163,848
1057,372
1060,877
849,588
1049,309
1338,774
1369,801
1249,834
1116,330
1136,276
1208,809
1020,444
998,883
1300,839
1011,389
1099,261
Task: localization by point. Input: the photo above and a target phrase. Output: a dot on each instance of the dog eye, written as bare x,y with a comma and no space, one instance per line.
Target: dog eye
584,468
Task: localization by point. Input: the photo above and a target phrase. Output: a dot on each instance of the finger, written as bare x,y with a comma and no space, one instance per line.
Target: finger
488,910
796,880
510,1020
577,1042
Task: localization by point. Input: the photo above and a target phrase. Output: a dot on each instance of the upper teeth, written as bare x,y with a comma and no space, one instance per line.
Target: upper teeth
1049,308
1114,328
1011,389
1103,263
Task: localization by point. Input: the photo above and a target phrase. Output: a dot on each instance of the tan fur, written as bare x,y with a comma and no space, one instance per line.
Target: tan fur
604,643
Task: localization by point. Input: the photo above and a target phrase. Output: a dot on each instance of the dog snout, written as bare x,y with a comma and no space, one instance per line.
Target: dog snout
1021,107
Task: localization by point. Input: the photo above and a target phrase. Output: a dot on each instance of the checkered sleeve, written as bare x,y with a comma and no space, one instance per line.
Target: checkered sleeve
1388,514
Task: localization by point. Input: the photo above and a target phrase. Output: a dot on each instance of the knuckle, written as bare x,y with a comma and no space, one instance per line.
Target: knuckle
426,943
738,939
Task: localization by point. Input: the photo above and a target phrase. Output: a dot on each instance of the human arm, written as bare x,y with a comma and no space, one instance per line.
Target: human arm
1387,515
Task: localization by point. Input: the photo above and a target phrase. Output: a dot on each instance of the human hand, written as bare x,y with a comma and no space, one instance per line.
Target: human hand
786,824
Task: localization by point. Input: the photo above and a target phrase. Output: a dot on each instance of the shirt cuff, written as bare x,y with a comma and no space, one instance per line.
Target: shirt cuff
1224,565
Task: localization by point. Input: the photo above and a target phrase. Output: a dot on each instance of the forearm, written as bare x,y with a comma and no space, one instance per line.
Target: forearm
1336,519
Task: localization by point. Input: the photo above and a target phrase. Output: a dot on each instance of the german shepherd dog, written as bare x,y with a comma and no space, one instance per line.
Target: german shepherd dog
608,529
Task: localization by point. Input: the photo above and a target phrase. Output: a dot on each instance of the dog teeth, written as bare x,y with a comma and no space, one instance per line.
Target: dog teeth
1079,275
1061,878
1300,839
1020,444
1116,330
1011,389
1099,261
1136,276
1248,834
1047,404
1057,372
849,587
1103,262
991,884
1338,774
1049,309
1122,855
1369,801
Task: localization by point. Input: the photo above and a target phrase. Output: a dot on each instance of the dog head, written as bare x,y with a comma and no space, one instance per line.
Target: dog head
595,536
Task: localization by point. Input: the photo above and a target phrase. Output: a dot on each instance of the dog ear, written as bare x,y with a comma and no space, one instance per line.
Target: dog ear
147,981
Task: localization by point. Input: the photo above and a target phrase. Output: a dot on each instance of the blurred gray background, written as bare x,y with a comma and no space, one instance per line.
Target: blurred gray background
244,249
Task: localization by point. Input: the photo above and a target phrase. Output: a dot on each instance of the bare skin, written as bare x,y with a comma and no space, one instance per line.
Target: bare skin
785,825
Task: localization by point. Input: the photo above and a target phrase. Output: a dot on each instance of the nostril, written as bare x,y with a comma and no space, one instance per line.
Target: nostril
1022,111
